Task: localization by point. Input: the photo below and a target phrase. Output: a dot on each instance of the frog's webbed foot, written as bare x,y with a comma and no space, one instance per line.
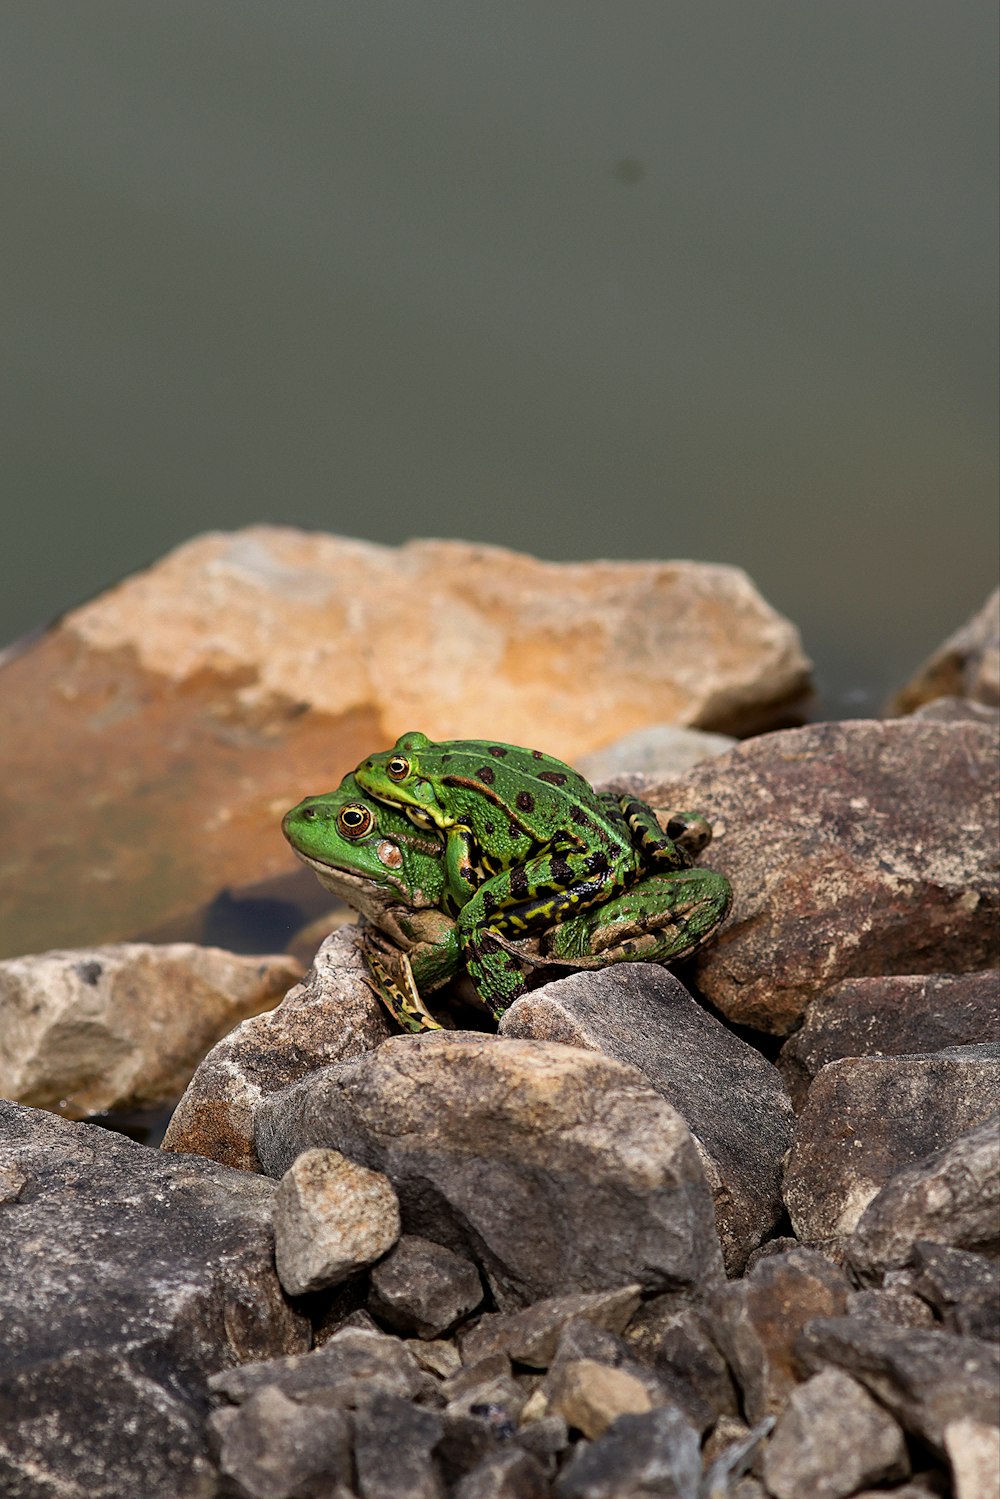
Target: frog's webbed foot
400,996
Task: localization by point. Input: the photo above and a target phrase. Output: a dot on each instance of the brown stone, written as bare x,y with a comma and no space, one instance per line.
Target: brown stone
187,708
967,665
854,849
758,1319
868,1118
123,1026
330,1016
890,1016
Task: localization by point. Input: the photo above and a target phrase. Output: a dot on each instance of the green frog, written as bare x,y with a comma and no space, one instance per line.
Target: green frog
370,855
528,844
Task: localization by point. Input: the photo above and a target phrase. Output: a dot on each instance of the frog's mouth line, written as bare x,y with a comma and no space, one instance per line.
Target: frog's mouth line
322,868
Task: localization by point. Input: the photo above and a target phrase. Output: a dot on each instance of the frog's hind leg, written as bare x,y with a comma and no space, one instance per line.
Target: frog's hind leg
526,900
661,920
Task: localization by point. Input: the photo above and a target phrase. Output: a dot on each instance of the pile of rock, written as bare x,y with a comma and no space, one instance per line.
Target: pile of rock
726,1234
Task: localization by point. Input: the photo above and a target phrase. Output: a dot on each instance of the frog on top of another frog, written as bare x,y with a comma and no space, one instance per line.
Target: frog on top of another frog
528,844
371,855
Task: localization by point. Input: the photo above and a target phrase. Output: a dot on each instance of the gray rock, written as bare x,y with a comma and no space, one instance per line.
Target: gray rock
966,665
733,1101
555,1169
854,848
897,1306
331,1217
687,1363
352,1360
926,1378
394,1444
964,1289
330,1016
123,1026
514,1474
950,709
274,1448
727,1455
830,1439
126,1276
423,1288
532,1335
756,1322
659,749
654,1453
950,1197
890,1016
866,1118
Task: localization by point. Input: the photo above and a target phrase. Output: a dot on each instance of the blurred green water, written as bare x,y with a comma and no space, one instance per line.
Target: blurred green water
707,280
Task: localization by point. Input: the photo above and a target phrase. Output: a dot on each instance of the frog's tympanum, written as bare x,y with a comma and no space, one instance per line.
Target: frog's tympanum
534,865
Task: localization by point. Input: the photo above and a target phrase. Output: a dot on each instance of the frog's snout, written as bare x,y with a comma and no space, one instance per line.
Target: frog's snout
304,812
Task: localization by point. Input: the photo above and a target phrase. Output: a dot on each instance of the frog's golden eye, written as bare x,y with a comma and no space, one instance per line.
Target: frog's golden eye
355,822
398,768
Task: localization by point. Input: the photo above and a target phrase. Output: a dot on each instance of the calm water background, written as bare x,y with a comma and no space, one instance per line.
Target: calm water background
709,279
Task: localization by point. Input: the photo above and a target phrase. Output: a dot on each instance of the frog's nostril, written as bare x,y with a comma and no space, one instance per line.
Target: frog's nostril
310,813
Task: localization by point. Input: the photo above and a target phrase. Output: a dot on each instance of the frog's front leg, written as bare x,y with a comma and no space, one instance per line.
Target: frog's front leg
400,978
526,900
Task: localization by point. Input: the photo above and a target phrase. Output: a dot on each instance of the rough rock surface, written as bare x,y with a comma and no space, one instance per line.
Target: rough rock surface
422,1288
967,665
963,1288
867,1118
273,1447
854,849
732,1099
951,1197
200,698
757,1320
126,1278
889,1016
653,1453
331,1217
926,1378
123,1027
662,749
555,1169
531,1336
830,1439
353,1360
330,1016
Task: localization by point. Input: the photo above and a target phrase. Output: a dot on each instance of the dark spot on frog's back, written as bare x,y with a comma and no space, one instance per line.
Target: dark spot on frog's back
489,830
497,750
519,883
525,801
554,777
536,755
486,773
579,816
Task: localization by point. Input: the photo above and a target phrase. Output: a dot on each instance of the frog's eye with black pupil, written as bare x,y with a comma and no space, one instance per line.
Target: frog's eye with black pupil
355,822
397,768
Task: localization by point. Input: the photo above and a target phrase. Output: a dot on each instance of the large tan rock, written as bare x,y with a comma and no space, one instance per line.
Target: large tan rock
123,1026
153,738
967,665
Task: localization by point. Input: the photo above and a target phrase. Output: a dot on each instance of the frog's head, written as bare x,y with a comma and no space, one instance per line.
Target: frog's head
365,851
401,777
